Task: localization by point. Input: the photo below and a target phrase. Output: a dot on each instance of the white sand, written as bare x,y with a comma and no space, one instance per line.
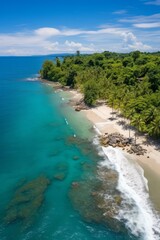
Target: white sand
101,117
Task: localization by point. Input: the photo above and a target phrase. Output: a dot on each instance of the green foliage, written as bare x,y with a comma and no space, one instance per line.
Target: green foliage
46,68
128,82
58,62
90,93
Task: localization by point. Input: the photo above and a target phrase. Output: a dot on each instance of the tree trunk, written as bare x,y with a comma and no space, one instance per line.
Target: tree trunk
135,137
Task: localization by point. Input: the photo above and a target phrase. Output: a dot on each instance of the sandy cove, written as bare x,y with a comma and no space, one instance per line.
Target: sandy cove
104,120
101,117
107,122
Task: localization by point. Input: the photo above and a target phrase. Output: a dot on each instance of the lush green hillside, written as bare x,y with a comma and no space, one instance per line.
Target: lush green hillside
128,82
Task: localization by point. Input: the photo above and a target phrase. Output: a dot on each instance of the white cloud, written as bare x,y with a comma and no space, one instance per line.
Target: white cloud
142,18
47,32
73,44
131,42
156,2
52,46
147,25
71,32
120,12
79,46
52,40
121,37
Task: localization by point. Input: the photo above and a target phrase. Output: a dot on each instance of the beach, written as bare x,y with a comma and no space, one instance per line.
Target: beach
101,118
83,190
104,121
138,175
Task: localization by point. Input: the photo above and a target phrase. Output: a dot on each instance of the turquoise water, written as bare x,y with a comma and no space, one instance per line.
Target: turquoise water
37,141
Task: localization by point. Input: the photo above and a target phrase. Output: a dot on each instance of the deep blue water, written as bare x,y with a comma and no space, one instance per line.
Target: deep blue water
37,130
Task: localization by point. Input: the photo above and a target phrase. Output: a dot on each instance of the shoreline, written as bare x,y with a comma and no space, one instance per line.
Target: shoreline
101,118
139,176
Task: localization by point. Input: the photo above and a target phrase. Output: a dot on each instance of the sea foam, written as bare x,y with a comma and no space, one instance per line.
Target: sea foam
136,210
32,79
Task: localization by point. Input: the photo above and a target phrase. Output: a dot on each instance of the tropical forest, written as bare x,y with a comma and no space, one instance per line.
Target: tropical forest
127,82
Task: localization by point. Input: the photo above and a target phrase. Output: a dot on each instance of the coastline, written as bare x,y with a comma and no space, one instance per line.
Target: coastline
101,118
138,176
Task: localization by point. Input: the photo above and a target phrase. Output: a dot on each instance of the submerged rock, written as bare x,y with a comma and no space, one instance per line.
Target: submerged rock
59,176
26,201
62,167
75,184
75,140
60,171
75,157
98,199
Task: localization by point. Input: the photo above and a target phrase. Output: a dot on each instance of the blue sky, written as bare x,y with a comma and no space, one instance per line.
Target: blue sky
44,27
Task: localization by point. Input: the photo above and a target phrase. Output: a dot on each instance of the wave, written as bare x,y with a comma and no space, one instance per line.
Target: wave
66,121
32,79
136,209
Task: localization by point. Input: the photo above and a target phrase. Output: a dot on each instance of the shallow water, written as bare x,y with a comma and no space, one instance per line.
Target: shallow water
44,147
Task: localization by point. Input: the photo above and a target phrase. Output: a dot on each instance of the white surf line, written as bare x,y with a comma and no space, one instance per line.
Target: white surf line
31,79
136,211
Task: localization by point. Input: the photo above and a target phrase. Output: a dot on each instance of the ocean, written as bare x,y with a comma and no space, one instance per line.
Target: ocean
51,168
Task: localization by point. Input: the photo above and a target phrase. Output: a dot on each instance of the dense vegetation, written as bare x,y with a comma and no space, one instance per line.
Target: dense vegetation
128,82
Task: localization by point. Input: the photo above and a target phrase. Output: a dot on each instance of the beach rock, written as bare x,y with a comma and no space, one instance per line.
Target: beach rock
78,109
137,149
118,140
114,139
81,106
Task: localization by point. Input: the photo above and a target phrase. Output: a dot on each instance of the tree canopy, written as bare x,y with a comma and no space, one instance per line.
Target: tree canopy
128,82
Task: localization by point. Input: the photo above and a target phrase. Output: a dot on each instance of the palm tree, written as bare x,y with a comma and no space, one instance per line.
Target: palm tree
155,127
150,114
130,115
138,122
111,101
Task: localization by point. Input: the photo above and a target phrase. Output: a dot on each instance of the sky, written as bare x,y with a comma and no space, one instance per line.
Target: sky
36,27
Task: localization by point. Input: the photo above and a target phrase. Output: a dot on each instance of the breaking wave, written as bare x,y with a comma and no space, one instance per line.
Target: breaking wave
136,209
